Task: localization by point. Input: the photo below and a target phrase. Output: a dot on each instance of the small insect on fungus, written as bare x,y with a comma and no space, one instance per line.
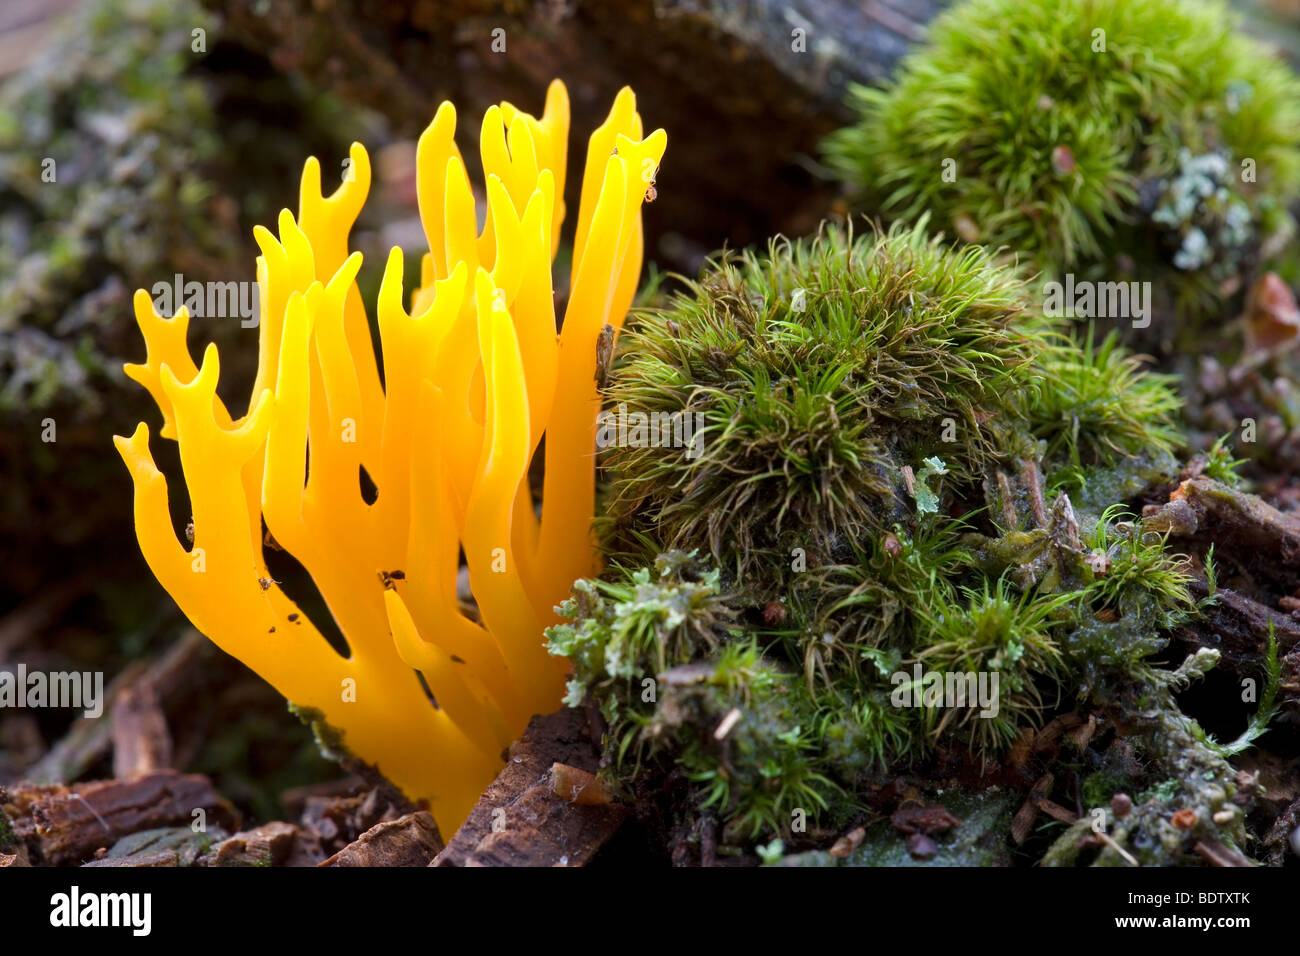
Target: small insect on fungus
604,352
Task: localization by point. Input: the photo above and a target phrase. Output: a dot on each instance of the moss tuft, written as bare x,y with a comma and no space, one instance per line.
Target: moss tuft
1071,132
843,385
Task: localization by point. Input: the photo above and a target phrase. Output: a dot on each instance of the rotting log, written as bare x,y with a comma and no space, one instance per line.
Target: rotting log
1257,553
746,89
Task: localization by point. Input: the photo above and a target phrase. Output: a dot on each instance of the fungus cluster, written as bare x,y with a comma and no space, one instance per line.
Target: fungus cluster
474,377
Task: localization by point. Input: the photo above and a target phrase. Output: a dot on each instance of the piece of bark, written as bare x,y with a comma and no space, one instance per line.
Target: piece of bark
294,800
328,824
271,844
539,828
521,820
1219,854
848,843
141,742
412,840
66,825
1259,547
17,858
147,860
1023,822
1280,841
1244,524
162,846
89,739
1238,628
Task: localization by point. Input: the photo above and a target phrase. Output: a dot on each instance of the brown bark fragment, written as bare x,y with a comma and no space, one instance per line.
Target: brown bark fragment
66,825
90,739
267,845
329,823
412,840
141,741
521,820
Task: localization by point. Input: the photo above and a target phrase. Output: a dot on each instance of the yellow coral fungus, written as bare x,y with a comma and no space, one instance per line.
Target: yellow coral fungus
473,377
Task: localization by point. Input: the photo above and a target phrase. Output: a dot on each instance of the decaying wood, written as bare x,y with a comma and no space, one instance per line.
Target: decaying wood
1220,855
271,844
846,844
1240,628
90,739
164,846
1023,822
329,823
412,840
524,817
1241,522
141,741
766,79
87,740
1255,544
1281,838
66,825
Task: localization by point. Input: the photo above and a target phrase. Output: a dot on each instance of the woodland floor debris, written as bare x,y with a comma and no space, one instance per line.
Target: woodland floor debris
66,825
532,815
411,840
268,845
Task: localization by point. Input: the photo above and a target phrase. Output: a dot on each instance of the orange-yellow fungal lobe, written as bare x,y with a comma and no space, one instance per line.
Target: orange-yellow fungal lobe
474,377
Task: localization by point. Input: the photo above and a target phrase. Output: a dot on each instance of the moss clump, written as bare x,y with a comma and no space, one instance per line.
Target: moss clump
682,688
1076,131
329,739
888,436
844,385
